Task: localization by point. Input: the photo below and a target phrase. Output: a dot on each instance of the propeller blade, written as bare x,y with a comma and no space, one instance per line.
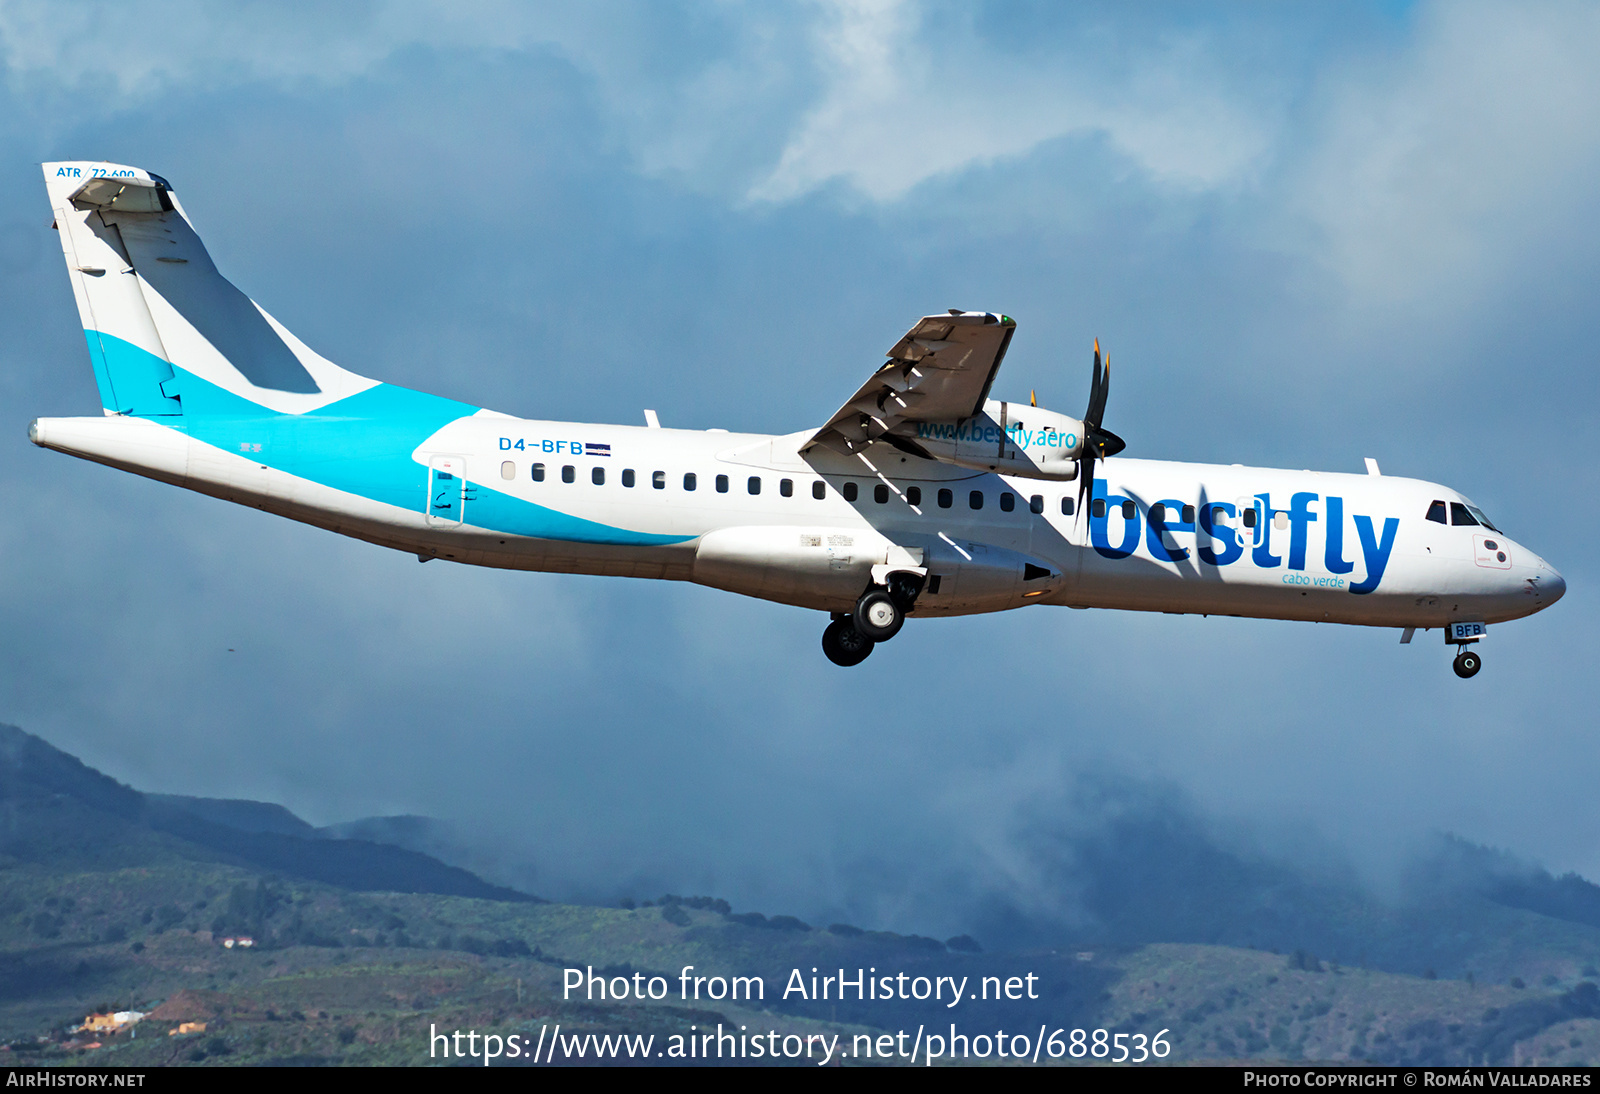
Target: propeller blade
1105,392
1099,390
1098,442
1094,384
1085,478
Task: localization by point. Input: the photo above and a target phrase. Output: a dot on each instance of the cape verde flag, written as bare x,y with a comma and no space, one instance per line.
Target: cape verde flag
596,449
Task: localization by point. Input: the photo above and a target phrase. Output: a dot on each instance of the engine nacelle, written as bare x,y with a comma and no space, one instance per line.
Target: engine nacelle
1007,438
815,567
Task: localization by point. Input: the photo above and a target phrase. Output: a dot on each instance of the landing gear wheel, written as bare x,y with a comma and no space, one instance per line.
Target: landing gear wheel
878,616
1467,664
844,645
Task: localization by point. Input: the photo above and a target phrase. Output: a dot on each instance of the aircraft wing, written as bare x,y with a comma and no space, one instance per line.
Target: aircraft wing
940,371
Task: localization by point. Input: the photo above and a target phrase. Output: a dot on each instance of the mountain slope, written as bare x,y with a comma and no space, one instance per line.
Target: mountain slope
57,811
109,897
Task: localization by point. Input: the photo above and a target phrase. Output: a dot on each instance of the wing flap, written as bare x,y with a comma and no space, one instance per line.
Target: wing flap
940,370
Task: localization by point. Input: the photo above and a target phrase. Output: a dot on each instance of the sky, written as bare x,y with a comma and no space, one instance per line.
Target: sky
1307,233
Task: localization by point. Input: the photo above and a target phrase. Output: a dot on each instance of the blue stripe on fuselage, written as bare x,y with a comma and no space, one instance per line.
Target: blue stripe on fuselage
363,445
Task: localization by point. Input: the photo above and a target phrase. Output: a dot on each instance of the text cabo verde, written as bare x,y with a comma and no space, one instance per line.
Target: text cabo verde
1222,537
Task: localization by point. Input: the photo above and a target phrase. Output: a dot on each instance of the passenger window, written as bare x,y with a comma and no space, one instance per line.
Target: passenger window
1250,517
1067,507
569,473
1036,504
1188,514
690,480
1436,512
849,491
1460,516
722,484
975,499
598,476
627,477
1158,513
755,484
658,479
1097,508
1008,501
1280,520
786,487
880,493
819,489
1129,510
914,495
946,499
508,470
536,472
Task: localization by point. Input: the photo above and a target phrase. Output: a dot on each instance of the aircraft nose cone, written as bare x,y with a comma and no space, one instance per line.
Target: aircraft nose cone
1552,584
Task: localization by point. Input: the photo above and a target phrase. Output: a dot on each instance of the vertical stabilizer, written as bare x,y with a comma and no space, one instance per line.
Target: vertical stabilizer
156,311
130,363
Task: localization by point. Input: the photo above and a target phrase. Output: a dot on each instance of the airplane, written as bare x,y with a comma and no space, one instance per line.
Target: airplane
921,497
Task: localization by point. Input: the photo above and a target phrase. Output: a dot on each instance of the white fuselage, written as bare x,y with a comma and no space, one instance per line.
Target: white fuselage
741,512
920,493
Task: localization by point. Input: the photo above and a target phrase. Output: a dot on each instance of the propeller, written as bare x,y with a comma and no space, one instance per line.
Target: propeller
1098,442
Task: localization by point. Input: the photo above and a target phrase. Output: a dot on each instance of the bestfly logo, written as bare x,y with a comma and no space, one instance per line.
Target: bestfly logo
984,431
1225,533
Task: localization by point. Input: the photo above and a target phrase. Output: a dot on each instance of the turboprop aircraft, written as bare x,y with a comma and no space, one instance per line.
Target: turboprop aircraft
922,496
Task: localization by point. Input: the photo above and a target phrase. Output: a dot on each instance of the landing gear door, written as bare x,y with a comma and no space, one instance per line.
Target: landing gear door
446,491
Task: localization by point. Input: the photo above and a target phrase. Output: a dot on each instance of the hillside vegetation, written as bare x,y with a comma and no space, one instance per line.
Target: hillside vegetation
111,899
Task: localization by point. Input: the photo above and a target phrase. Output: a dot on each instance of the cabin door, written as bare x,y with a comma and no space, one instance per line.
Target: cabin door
446,491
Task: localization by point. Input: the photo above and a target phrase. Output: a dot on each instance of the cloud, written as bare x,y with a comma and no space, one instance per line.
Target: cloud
1443,167
691,91
136,55
1232,186
907,99
880,94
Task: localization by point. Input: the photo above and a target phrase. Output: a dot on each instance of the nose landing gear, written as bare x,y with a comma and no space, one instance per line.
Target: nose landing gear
1464,636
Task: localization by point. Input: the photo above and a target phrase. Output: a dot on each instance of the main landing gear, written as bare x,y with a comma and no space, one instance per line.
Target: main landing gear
843,644
880,613
878,616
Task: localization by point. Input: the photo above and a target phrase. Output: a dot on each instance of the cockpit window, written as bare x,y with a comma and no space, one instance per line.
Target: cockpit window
1436,513
1483,520
1459,515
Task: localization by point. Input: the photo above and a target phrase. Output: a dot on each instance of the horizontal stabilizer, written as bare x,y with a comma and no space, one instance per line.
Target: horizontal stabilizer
124,195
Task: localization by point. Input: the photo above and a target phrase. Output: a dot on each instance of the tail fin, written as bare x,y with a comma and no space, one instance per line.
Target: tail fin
165,329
